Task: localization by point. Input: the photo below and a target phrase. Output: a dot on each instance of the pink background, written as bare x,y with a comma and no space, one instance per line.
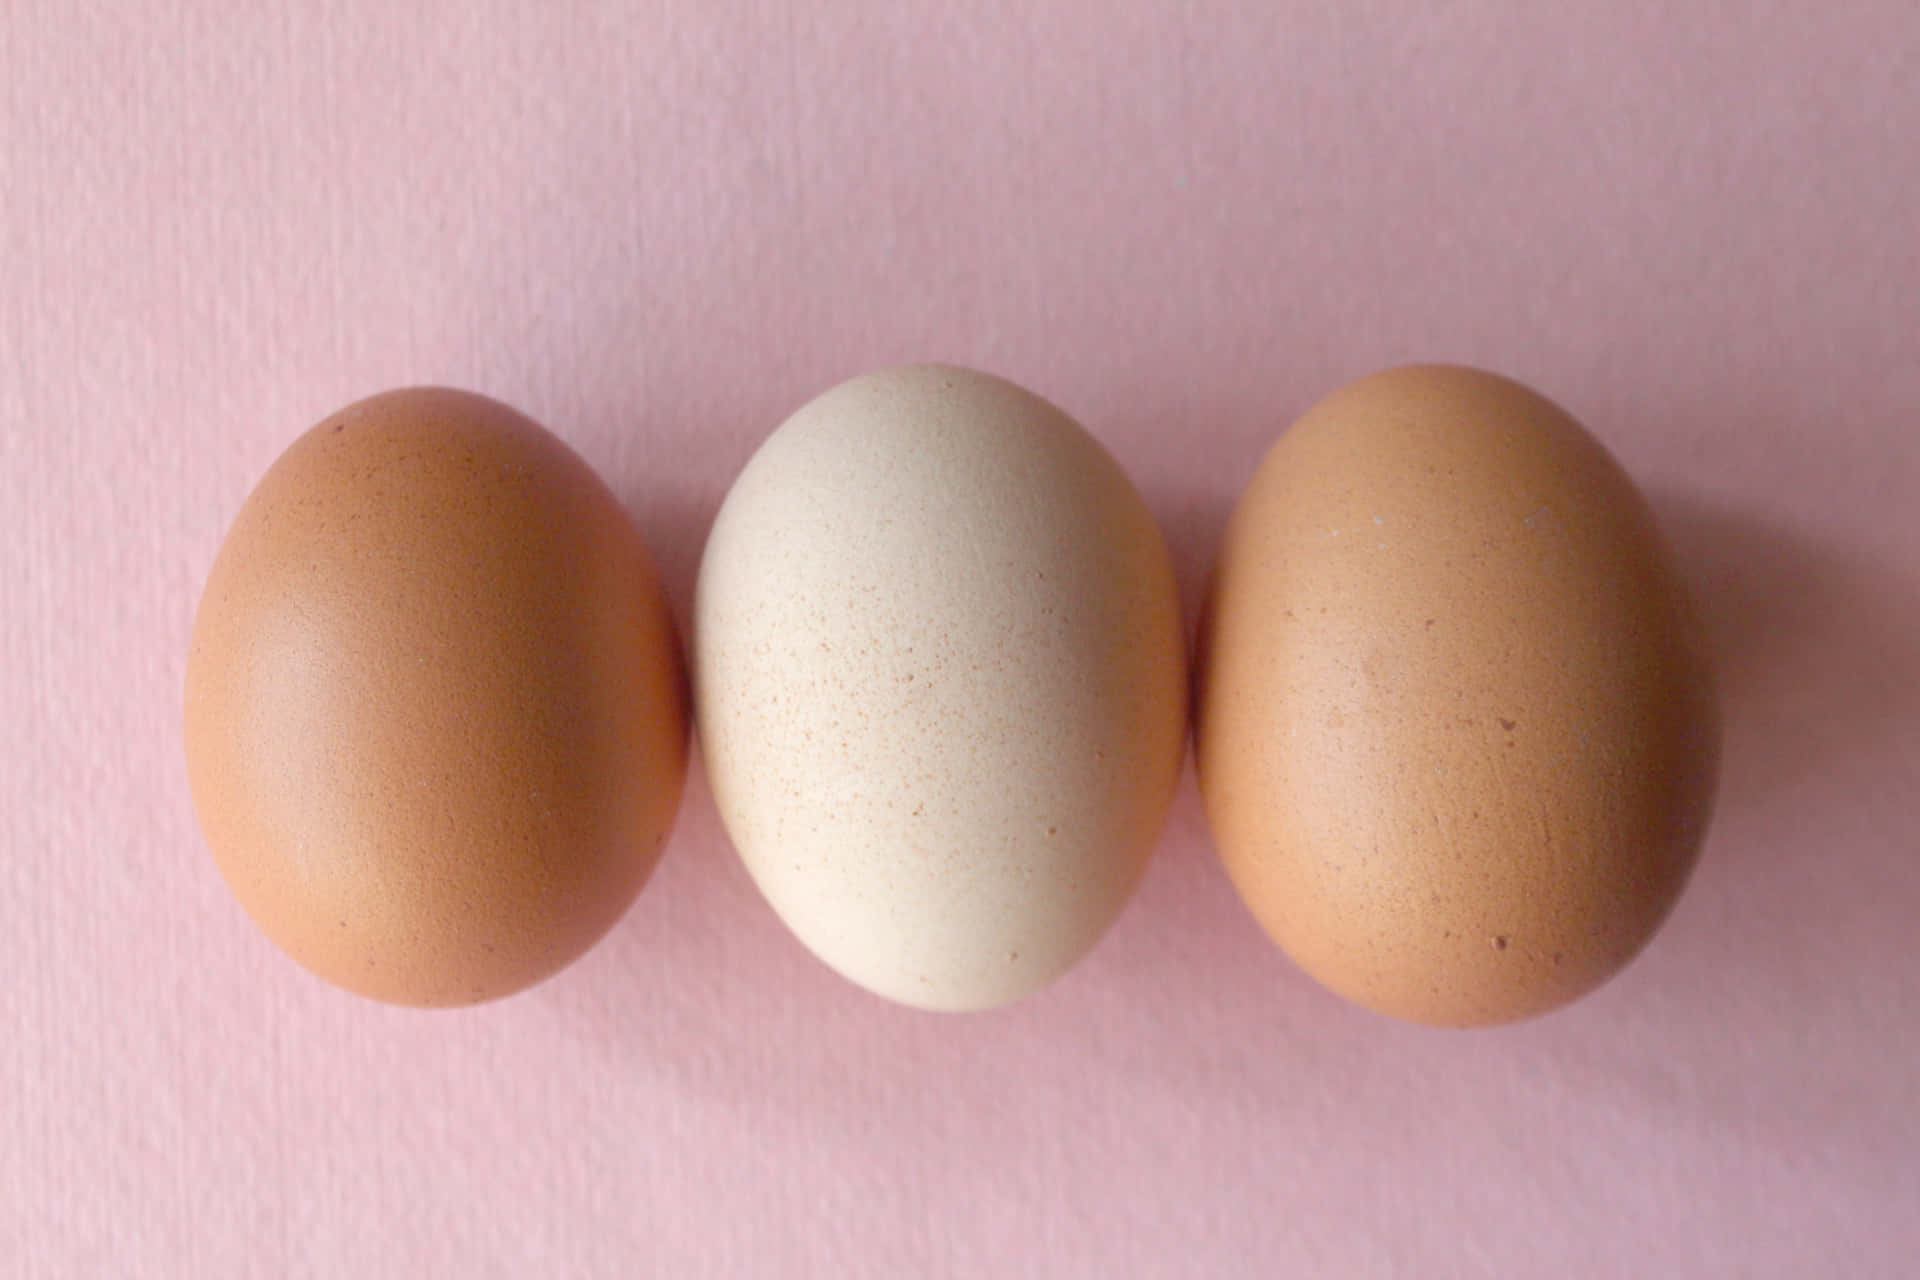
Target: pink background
659,230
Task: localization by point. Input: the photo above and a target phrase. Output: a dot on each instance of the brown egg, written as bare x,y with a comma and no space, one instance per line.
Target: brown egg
1456,737
436,724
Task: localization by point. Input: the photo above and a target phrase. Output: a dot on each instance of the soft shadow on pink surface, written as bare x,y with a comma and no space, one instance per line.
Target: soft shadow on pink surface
1806,885
1814,651
675,524
1193,523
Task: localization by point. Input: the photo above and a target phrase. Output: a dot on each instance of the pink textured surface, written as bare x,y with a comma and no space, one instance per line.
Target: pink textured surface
660,230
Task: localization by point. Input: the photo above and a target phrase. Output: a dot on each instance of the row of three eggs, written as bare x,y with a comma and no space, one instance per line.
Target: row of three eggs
1454,728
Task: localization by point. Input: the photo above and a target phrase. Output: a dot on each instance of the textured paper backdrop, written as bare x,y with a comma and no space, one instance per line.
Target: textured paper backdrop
658,228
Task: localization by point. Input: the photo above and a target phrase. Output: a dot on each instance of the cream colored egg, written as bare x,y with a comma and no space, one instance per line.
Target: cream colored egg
940,683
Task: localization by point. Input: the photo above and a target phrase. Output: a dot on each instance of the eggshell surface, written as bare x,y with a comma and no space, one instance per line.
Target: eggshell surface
940,682
436,720
1456,733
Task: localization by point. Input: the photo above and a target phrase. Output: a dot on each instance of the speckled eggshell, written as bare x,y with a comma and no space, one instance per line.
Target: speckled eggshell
1456,734
940,683
436,722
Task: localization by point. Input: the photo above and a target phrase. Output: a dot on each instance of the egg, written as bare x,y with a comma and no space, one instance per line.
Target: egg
1456,733
436,722
939,678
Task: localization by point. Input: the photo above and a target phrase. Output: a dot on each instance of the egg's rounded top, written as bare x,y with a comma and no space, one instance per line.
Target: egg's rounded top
940,674
1456,733
435,716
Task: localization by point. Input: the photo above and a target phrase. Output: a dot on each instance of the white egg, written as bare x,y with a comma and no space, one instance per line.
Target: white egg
940,683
